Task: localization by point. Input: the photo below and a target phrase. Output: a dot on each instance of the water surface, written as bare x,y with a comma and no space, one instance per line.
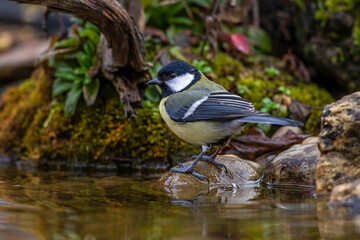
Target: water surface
77,205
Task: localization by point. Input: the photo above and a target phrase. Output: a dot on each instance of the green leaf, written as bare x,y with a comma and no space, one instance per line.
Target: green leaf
152,93
71,42
64,67
259,39
72,99
176,53
81,71
242,89
269,106
155,69
91,34
84,60
170,35
202,66
88,50
180,21
60,86
87,79
70,76
202,3
265,127
272,71
173,9
284,90
89,25
90,91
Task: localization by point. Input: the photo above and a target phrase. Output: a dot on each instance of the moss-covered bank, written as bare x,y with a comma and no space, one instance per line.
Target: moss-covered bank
34,125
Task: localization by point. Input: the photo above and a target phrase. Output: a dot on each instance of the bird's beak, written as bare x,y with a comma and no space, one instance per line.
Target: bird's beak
154,81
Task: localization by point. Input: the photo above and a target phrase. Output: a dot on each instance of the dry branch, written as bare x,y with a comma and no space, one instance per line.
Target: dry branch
123,60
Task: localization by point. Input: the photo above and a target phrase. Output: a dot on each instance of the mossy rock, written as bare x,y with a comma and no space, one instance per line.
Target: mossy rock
34,125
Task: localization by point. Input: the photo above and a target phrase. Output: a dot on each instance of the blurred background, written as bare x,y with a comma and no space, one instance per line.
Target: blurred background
24,36
288,57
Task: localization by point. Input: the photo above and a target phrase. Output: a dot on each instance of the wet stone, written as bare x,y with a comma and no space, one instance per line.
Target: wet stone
346,195
239,172
295,166
339,143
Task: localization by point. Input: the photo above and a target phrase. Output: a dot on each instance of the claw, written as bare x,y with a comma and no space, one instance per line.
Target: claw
200,177
184,169
190,168
211,160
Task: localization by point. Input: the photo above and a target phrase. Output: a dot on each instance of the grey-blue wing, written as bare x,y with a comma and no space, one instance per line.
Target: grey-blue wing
214,106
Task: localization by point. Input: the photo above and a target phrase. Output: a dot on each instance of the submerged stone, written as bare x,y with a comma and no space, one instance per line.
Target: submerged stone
339,143
295,166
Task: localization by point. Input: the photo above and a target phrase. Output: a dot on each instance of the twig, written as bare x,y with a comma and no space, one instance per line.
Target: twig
213,12
256,15
159,54
166,3
187,9
215,7
45,21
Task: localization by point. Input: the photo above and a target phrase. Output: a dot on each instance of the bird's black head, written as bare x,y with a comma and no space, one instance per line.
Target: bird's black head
176,77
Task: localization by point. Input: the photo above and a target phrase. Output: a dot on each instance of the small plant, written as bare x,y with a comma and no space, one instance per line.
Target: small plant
180,14
202,65
272,71
273,108
284,90
72,66
269,105
242,89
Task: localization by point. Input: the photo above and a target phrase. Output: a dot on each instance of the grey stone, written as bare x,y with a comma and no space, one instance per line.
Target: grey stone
295,166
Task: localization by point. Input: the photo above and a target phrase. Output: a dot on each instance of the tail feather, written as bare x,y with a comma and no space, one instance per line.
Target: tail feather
271,120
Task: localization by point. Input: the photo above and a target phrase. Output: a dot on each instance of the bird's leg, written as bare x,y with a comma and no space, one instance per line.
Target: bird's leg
190,168
211,158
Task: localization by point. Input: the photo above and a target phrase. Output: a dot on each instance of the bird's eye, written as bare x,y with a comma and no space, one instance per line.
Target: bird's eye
173,75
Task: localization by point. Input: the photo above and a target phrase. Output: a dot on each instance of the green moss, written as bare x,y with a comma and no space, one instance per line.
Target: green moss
259,85
34,124
92,134
20,105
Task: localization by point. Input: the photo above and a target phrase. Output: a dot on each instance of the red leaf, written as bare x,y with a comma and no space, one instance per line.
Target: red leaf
238,41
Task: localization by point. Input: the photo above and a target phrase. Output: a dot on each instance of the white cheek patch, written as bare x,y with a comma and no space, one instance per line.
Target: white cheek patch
181,82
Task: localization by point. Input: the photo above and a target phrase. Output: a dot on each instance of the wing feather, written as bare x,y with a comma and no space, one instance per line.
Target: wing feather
214,106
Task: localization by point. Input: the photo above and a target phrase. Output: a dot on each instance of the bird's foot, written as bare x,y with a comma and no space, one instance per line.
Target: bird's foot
190,170
211,159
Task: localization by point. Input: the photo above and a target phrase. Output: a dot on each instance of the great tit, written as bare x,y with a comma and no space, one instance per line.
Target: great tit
204,113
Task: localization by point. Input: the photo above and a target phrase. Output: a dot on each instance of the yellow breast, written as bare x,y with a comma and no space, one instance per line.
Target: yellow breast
197,133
